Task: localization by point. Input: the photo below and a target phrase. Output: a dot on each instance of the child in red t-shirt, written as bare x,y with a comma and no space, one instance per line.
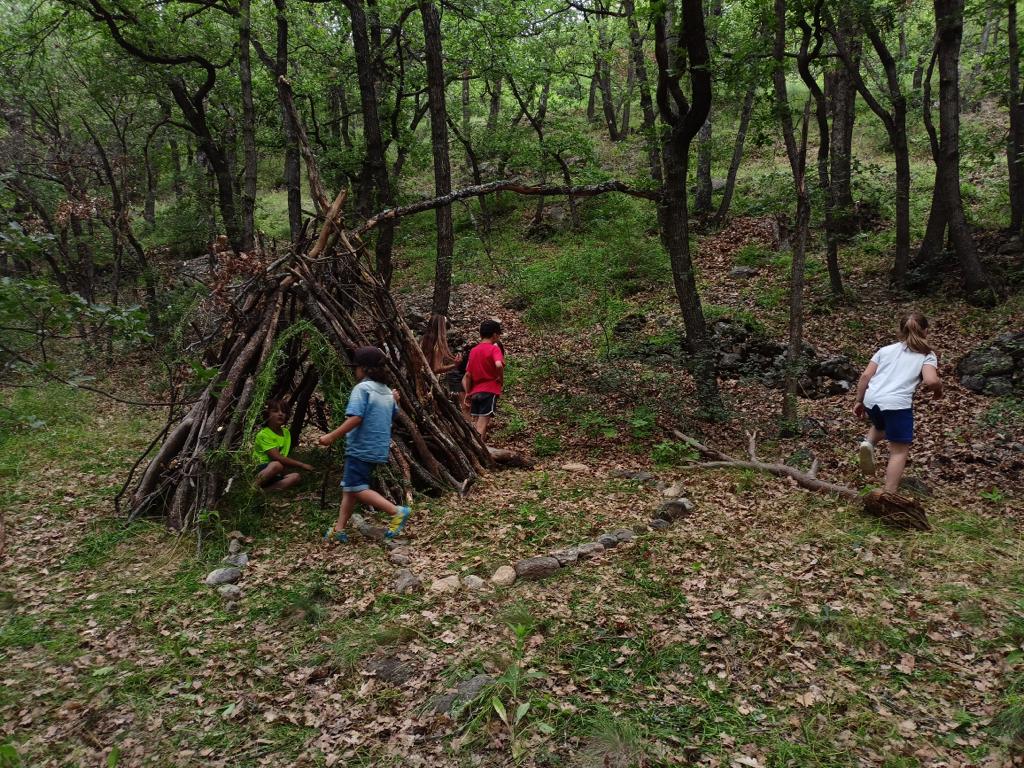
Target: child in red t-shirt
485,374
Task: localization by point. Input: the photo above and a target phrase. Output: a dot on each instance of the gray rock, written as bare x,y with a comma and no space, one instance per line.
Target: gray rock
589,550
393,544
536,567
474,583
368,529
400,558
743,272
731,361
466,691
234,547
505,576
231,606
223,576
644,478
236,535
999,386
229,591
973,383
575,466
676,509
566,556
445,585
624,535
608,540
915,486
658,524
391,669
239,560
674,491
406,582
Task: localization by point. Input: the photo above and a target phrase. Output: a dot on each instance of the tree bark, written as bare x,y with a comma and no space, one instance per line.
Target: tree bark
442,166
682,120
949,33
249,170
494,111
841,92
737,155
636,48
1015,140
375,166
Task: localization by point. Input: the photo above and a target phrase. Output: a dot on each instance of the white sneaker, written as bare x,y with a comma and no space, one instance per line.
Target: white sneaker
866,457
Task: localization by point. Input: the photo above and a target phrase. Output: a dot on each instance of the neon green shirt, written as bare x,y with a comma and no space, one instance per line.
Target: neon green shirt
267,439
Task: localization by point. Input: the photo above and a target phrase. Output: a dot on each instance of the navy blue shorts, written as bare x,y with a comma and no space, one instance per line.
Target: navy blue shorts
897,425
357,475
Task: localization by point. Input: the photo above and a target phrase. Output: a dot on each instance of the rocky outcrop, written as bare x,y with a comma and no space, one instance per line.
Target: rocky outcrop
996,368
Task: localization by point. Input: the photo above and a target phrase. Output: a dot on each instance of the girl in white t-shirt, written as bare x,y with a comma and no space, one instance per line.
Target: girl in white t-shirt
885,395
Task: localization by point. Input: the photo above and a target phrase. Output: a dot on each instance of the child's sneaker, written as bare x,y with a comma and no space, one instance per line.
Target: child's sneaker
866,457
398,522
332,536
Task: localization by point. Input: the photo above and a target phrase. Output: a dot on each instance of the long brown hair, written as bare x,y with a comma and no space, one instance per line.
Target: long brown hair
435,344
913,329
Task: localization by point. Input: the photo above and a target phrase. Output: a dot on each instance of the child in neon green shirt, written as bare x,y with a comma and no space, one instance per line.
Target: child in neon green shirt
270,451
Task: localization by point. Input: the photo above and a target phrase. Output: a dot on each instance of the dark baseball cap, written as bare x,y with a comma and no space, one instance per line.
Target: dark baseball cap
368,357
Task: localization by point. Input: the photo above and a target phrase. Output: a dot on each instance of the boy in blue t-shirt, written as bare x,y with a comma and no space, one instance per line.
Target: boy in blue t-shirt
367,427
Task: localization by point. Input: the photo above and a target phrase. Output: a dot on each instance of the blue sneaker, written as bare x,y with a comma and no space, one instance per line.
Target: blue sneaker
332,536
398,522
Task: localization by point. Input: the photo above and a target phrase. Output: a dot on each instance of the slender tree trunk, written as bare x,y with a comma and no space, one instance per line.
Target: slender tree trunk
949,32
841,91
376,168
495,107
592,98
465,98
636,48
682,119
442,166
702,200
249,170
177,182
1015,140
149,208
737,155
627,100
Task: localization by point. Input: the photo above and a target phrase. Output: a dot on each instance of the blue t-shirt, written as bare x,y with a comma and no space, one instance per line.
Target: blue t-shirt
371,440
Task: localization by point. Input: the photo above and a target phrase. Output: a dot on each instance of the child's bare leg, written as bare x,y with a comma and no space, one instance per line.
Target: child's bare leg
273,468
898,453
348,503
373,499
482,425
285,482
875,435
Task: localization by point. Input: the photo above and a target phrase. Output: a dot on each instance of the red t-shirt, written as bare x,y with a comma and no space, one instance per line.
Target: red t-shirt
483,369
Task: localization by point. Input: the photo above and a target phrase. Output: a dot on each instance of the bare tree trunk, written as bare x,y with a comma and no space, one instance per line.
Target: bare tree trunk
495,107
465,98
737,155
1015,140
648,126
702,200
442,166
376,168
592,99
248,196
949,31
625,107
682,120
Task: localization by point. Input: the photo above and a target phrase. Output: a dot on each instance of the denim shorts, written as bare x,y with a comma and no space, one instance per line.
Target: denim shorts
357,475
897,425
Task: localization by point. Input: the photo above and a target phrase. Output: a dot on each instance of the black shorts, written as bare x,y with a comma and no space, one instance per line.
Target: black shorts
483,404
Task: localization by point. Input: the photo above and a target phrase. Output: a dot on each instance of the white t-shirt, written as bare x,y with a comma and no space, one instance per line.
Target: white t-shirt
899,372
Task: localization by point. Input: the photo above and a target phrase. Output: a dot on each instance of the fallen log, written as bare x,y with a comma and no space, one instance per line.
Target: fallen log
892,508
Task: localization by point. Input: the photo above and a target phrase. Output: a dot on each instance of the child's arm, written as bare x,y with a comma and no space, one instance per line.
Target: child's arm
275,455
862,388
346,426
931,380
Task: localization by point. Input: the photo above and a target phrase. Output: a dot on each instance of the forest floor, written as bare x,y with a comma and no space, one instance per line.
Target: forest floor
772,627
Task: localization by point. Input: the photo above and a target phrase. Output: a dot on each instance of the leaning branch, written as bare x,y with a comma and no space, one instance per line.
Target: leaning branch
545,190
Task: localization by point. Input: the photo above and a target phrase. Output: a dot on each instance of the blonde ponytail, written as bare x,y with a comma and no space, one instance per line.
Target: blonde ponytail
913,329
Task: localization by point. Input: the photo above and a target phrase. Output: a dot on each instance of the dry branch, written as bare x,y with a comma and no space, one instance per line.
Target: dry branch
542,190
899,511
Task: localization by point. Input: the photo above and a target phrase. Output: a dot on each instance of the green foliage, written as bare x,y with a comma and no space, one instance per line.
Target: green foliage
670,453
642,421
